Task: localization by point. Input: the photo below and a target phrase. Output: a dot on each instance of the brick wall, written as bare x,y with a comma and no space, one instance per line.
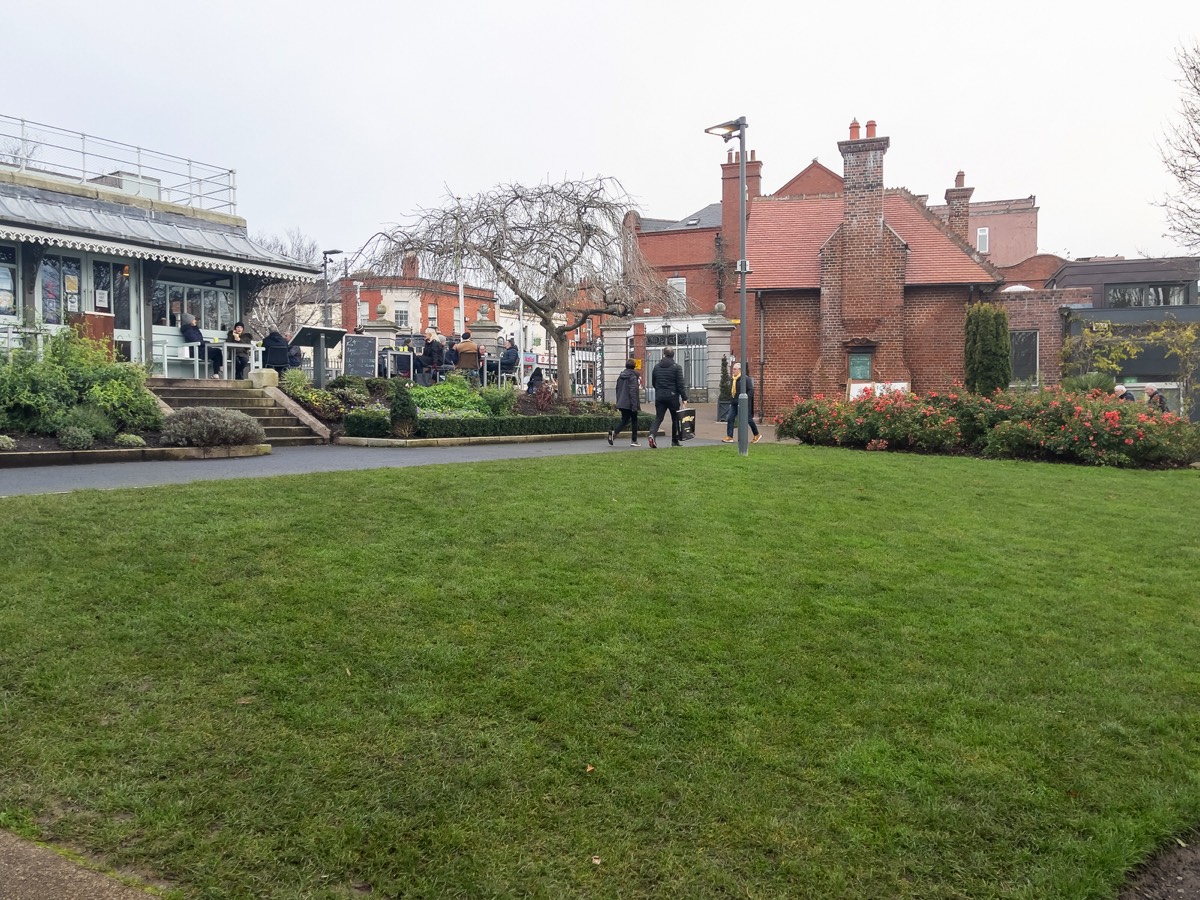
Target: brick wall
791,349
935,332
1039,310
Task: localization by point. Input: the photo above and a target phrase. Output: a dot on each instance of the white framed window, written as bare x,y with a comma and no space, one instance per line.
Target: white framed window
402,317
678,285
8,280
981,240
1023,353
60,282
362,312
458,322
431,314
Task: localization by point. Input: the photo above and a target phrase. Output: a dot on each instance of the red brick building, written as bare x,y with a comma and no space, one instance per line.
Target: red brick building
850,281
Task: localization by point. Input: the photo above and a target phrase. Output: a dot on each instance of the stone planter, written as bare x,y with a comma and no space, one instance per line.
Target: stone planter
723,407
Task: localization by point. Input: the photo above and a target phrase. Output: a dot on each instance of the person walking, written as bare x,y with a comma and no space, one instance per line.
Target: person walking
738,386
1157,401
629,401
669,393
1123,393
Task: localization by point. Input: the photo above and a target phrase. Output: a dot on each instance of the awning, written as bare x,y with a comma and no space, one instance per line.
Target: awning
172,257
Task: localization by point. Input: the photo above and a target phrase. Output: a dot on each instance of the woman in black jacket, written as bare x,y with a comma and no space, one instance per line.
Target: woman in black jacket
629,401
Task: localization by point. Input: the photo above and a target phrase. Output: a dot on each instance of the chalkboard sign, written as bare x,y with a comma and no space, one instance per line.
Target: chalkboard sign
359,355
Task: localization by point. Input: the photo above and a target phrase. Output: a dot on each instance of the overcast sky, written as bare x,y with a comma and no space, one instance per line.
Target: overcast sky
343,117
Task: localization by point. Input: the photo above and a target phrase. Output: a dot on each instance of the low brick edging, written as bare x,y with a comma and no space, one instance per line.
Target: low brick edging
463,441
14,460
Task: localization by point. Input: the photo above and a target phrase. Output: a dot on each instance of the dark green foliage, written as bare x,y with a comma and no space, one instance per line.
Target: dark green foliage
207,426
987,354
353,382
404,410
380,389
89,418
1092,381
517,425
74,438
34,395
372,422
725,391
500,400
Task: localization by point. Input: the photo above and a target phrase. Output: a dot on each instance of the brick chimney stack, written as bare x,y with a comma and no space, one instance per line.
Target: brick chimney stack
958,201
729,194
410,266
863,174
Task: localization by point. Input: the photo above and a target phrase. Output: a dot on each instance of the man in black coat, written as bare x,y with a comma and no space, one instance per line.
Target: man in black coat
669,392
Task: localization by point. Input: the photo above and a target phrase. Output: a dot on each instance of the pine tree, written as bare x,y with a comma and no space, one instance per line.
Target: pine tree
725,389
987,356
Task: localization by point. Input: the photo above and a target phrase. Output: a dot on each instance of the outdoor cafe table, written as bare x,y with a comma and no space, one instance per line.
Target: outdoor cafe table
229,352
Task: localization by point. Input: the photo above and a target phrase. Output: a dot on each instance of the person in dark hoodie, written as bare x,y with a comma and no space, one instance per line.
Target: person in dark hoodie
629,401
670,391
192,334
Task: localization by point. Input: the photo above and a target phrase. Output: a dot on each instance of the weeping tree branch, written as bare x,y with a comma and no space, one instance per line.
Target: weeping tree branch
562,249
1180,152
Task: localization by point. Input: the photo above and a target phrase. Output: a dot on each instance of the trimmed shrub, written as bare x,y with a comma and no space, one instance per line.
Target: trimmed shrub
208,426
89,418
7,443
381,389
350,382
499,400
404,410
371,421
987,355
518,425
453,396
74,438
129,440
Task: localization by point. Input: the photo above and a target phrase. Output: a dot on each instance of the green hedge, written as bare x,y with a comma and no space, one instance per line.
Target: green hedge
516,425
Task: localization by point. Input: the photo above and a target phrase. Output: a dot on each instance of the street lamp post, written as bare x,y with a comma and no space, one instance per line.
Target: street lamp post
726,131
326,316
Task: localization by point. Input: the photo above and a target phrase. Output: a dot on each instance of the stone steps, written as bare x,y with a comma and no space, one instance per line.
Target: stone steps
282,428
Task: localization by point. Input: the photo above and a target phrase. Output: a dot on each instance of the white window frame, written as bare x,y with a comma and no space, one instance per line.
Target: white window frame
401,315
14,267
432,314
679,285
982,240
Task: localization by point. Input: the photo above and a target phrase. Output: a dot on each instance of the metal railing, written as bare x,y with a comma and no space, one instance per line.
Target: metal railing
56,153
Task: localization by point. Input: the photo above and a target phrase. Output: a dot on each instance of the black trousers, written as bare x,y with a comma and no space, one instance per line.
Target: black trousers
663,405
630,416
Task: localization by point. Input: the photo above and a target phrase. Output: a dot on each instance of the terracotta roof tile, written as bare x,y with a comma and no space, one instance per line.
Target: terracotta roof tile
784,238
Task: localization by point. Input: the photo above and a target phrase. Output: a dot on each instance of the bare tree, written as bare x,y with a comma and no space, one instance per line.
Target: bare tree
1181,153
562,249
287,305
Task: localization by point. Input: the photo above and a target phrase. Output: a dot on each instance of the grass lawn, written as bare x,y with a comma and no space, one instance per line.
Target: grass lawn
812,673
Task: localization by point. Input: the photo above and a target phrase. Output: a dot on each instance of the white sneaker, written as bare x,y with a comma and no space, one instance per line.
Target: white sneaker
634,444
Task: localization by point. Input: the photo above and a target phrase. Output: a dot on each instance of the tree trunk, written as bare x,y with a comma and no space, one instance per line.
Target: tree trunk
565,388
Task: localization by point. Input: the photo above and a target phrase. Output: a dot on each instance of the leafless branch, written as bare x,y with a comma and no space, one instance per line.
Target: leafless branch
1180,151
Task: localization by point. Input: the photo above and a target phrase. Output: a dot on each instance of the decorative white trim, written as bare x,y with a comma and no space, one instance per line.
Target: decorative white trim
173,257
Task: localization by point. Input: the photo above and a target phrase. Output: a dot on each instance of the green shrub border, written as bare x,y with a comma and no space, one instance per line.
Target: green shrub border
508,426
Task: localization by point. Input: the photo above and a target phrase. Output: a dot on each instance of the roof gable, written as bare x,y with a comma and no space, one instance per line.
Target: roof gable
785,236
813,179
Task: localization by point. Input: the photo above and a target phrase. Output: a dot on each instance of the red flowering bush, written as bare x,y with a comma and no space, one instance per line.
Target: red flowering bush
1093,428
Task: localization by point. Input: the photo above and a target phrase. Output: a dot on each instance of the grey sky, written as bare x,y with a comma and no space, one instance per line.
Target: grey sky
343,117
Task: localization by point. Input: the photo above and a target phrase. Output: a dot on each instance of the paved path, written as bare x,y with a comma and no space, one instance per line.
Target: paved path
30,872
329,458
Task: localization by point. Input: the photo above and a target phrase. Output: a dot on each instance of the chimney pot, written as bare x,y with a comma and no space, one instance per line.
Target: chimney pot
854,130
729,156
870,128
751,156
960,179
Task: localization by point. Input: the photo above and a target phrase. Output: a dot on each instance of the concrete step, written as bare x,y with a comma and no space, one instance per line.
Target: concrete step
295,441
226,400
284,431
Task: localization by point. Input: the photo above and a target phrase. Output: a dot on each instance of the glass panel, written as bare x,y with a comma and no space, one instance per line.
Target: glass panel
51,291
225,309
8,292
102,287
121,296
1024,355
209,319
8,255
72,283
1174,295
193,304
1120,296
158,305
175,296
860,366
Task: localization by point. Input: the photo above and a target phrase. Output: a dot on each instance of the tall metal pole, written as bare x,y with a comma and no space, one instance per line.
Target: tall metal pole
742,268
325,312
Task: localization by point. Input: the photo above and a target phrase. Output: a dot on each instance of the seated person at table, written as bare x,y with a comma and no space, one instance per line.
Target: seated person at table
508,359
276,341
192,334
467,359
431,357
238,335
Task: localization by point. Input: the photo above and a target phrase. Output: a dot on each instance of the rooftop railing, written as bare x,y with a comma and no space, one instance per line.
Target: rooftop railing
79,158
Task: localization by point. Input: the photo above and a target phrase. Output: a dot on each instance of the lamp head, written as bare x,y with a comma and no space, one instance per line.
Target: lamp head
728,130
